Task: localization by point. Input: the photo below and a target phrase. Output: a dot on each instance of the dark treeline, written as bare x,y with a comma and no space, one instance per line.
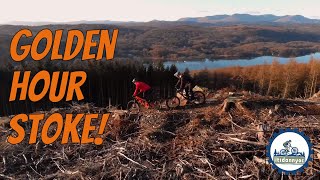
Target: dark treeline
106,80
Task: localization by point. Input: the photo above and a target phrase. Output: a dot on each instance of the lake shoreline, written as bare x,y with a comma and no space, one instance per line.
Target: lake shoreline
217,57
222,63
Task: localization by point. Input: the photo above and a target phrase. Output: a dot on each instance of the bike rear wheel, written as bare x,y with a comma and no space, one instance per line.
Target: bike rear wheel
199,97
133,107
173,102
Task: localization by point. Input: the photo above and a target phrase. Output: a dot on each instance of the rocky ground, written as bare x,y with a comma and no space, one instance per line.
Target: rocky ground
211,141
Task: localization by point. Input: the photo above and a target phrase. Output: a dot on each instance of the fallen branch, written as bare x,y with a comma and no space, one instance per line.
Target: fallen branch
234,162
64,171
246,176
6,177
248,142
234,134
316,150
36,172
238,152
209,175
228,174
230,120
259,160
134,162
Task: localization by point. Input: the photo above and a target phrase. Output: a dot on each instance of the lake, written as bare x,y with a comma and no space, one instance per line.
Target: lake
214,64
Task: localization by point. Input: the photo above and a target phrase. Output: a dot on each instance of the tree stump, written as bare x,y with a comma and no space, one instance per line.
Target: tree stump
235,102
230,102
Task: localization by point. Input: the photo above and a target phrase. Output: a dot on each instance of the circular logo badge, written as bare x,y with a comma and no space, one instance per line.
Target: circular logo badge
289,151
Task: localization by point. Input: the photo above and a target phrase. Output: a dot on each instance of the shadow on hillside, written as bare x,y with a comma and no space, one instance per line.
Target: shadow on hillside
167,131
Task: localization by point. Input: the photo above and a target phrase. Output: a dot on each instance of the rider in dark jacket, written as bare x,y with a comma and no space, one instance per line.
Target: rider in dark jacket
186,83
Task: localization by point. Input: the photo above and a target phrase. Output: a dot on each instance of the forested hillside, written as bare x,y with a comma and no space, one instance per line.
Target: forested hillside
184,42
279,80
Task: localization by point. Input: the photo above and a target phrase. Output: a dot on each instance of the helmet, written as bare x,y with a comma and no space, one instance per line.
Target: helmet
177,74
134,80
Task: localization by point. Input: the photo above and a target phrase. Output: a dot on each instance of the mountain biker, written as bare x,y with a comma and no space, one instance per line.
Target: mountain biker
144,88
185,82
287,145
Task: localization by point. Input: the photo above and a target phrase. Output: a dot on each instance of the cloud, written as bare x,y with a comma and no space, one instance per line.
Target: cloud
203,11
315,17
253,12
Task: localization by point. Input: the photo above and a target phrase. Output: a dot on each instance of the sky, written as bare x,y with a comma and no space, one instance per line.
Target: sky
147,10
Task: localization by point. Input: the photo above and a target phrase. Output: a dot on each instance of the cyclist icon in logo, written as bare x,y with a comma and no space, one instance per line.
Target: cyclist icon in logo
289,150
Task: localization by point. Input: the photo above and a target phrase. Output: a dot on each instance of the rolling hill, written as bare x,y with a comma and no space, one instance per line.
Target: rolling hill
215,20
188,40
249,19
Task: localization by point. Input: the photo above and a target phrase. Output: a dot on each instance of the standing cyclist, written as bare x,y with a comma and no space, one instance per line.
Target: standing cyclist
185,82
287,145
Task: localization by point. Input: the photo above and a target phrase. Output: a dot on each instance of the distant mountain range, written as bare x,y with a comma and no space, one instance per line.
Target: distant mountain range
247,18
207,20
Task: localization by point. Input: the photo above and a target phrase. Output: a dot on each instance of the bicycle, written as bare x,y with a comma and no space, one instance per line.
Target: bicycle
134,105
199,97
294,151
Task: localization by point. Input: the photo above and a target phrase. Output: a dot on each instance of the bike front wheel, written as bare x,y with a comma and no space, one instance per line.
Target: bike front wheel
133,107
173,102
